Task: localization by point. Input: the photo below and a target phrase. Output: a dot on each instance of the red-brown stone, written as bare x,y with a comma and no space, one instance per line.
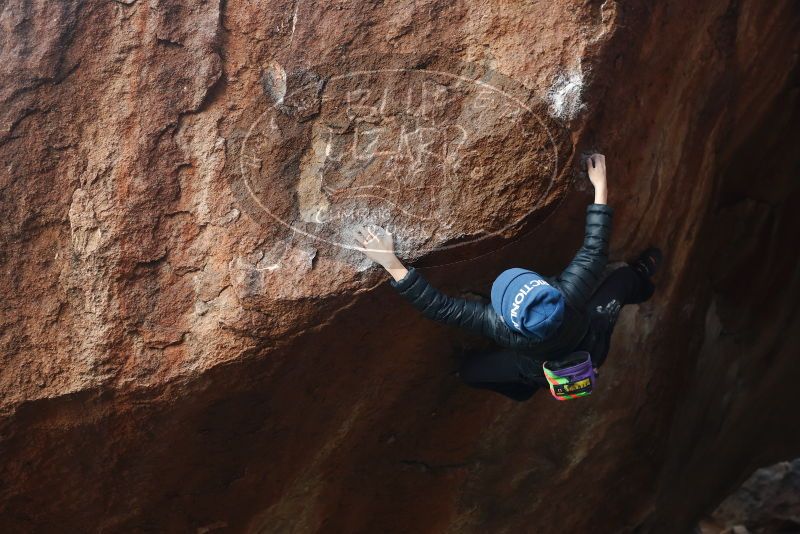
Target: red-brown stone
173,359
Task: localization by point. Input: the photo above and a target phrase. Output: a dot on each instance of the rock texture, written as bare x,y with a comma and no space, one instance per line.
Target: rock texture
177,356
767,502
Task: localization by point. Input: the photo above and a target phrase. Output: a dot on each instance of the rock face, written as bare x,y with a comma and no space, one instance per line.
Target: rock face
768,501
189,343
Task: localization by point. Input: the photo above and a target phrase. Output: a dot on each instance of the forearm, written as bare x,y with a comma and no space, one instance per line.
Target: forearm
601,194
396,269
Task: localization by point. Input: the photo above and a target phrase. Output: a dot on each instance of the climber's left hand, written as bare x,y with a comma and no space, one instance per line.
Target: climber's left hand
379,247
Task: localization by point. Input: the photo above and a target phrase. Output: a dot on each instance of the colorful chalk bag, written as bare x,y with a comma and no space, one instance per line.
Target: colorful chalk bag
572,378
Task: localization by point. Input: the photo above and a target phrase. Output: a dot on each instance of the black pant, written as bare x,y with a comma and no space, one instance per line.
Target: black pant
516,376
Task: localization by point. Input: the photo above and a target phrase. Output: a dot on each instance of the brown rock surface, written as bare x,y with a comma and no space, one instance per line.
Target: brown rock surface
177,357
767,502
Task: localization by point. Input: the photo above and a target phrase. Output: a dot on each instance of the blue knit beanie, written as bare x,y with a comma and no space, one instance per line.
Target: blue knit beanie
527,303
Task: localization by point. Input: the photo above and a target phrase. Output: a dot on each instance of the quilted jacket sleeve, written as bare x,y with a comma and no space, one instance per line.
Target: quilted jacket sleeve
581,277
470,315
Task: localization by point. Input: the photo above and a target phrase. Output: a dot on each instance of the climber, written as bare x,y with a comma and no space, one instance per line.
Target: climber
548,331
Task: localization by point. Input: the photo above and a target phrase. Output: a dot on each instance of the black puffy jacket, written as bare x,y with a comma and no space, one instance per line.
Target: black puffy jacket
577,283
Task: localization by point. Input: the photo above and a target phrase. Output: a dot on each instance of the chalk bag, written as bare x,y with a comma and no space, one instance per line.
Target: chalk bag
572,378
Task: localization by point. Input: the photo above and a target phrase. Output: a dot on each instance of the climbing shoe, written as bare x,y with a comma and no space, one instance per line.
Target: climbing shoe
648,262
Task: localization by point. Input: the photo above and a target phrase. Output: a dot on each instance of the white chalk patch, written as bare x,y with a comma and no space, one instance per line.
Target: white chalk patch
294,20
565,95
317,218
227,219
312,200
262,264
84,226
309,258
200,307
275,81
